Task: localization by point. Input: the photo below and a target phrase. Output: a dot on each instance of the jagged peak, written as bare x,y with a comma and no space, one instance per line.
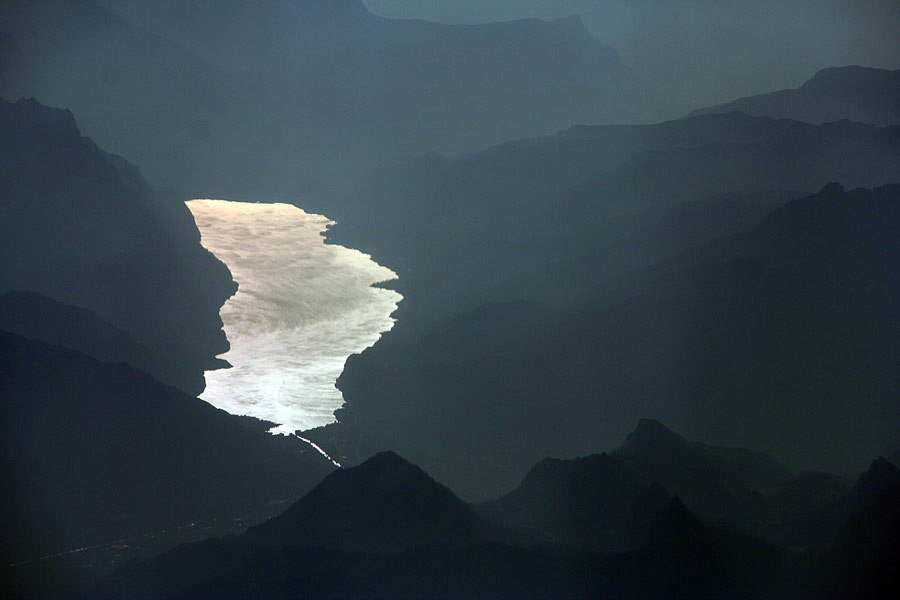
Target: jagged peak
28,112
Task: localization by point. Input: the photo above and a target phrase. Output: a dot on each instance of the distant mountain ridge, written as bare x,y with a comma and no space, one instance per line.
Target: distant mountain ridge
468,229
855,93
315,90
793,317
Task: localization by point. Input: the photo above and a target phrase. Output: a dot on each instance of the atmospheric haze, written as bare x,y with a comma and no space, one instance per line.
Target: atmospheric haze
302,307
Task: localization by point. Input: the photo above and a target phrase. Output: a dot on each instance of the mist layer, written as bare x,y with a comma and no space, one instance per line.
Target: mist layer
302,307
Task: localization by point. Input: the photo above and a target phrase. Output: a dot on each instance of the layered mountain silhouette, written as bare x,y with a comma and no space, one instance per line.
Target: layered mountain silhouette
82,228
775,336
546,218
679,554
570,266
93,452
855,93
265,99
384,505
721,484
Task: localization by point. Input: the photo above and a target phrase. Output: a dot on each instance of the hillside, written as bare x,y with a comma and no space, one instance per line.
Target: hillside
93,452
83,228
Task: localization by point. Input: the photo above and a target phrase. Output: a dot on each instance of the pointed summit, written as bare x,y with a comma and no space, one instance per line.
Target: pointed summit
385,505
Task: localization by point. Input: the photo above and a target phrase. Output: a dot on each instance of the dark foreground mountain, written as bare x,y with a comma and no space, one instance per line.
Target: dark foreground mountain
82,227
856,93
93,452
783,337
385,505
680,556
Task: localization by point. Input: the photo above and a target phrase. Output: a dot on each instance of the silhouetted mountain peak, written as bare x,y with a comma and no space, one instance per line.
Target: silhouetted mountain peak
384,505
880,475
388,467
384,477
651,436
881,478
589,502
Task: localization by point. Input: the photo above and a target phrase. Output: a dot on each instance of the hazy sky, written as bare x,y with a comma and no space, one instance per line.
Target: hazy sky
706,50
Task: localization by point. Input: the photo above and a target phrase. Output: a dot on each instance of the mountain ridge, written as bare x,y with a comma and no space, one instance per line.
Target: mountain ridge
856,93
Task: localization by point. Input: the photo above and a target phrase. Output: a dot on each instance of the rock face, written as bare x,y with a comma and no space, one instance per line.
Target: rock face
83,228
854,93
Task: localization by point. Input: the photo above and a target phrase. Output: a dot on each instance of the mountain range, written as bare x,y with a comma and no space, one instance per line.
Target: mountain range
678,553
341,90
571,265
545,218
795,319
